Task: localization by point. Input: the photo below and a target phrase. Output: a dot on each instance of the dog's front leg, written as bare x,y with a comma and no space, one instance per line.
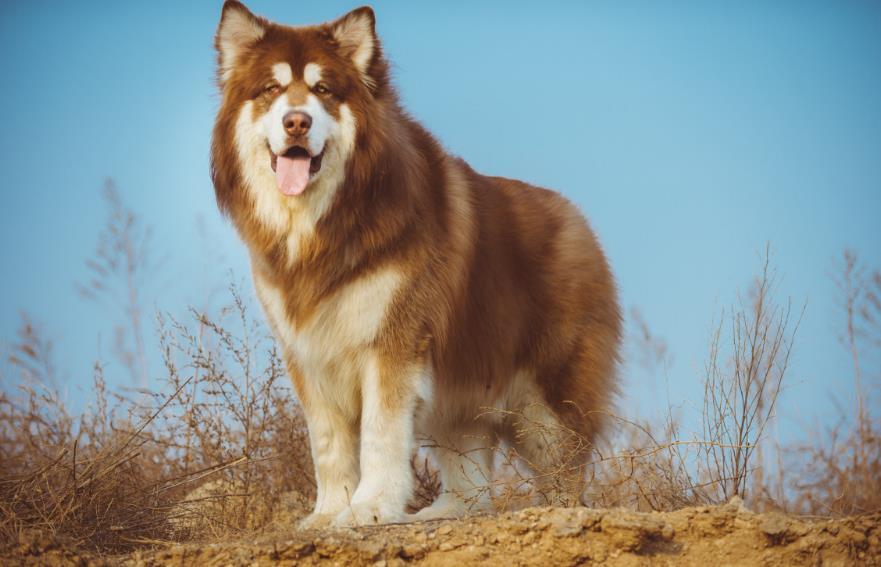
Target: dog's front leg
389,394
334,440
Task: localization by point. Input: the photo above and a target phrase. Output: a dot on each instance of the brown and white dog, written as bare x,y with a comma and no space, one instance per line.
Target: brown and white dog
408,292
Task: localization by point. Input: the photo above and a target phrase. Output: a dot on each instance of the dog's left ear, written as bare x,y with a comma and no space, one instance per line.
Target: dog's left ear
239,29
355,35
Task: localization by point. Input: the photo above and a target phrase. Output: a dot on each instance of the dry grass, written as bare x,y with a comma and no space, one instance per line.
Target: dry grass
84,481
237,408
219,447
218,453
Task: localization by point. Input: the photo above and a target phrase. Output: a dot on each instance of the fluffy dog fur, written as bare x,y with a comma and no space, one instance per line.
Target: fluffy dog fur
408,292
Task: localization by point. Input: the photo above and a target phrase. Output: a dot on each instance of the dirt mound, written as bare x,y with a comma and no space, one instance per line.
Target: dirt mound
725,535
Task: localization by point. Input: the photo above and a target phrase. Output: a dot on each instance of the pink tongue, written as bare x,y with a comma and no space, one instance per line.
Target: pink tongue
292,174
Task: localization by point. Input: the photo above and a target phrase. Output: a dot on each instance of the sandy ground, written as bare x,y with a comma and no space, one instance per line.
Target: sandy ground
716,536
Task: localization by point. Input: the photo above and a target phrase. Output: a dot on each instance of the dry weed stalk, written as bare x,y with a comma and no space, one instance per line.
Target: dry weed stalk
119,268
31,354
841,471
651,350
427,485
646,471
742,388
743,379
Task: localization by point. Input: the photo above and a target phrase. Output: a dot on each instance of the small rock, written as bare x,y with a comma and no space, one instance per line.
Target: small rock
775,527
736,504
799,529
564,527
445,529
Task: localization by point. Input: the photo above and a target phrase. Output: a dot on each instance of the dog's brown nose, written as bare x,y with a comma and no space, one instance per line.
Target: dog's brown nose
296,123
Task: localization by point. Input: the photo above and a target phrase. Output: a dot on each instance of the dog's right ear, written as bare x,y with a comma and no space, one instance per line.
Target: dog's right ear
239,29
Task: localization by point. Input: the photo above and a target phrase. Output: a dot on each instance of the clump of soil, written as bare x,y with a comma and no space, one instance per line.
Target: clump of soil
721,535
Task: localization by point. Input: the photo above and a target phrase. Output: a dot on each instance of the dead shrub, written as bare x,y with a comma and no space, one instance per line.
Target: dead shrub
238,407
741,390
83,481
219,451
839,473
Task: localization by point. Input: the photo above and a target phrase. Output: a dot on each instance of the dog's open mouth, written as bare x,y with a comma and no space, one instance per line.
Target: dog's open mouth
294,168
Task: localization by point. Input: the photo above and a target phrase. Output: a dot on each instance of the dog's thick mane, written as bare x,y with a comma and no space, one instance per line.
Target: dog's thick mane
377,212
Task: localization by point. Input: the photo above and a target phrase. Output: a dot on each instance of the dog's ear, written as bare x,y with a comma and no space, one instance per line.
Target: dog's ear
355,35
239,29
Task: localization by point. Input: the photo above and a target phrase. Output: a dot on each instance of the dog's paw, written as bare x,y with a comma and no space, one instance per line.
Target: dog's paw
316,521
366,514
448,506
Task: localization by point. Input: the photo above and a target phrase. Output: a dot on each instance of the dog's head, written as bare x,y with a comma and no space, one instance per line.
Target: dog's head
294,99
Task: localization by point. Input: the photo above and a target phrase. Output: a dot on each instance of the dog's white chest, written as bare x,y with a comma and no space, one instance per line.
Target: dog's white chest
340,327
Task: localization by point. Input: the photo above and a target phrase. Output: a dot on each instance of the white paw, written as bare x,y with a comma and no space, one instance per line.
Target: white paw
448,506
315,521
366,514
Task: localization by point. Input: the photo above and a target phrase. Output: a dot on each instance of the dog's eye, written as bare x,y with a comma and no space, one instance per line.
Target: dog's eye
272,89
321,88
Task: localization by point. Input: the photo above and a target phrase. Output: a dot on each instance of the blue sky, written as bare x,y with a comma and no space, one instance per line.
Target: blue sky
690,133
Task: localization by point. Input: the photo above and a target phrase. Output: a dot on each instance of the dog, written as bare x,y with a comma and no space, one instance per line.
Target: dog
412,297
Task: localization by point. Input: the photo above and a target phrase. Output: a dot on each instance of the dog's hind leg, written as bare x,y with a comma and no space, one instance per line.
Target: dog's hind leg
465,458
554,453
